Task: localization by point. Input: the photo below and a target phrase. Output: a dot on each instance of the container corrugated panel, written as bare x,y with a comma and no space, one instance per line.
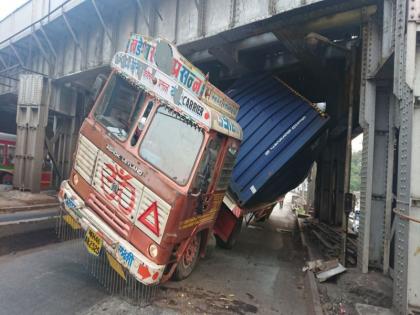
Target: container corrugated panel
282,134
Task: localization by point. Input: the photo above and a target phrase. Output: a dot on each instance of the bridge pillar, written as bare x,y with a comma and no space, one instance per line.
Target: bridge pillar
48,120
406,298
376,119
66,116
31,120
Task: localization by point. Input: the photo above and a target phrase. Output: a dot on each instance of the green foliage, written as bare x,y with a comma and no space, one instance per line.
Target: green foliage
356,165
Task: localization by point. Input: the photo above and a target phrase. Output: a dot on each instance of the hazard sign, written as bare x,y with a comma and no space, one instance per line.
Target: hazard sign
152,213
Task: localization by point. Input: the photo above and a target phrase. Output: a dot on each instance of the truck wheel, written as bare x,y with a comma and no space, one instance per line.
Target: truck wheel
188,260
211,245
233,236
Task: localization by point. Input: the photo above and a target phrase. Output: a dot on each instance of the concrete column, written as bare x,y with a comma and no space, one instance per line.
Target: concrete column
31,120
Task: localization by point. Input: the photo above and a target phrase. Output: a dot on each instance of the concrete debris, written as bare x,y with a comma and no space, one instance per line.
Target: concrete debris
325,275
325,269
365,309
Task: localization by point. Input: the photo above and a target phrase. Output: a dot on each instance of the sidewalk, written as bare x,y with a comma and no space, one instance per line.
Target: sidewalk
14,200
23,212
351,292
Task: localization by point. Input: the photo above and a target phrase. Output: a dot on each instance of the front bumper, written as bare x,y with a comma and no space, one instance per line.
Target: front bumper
138,265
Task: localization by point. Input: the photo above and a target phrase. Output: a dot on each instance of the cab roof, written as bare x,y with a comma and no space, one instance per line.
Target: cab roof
158,67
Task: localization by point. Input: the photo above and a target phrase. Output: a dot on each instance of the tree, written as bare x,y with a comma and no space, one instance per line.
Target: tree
356,166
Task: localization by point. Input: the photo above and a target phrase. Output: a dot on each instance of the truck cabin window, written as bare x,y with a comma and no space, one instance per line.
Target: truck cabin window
119,108
172,144
208,164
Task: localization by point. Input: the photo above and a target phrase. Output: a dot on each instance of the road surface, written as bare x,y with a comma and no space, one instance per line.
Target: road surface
261,275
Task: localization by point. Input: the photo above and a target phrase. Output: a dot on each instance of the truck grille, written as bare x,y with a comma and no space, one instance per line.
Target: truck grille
85,158
119,198
120,223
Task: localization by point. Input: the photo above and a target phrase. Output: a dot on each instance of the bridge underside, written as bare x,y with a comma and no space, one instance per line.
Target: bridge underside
357,56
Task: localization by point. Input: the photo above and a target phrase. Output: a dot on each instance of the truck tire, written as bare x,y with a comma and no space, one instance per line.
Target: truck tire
189,260
233,236
211,245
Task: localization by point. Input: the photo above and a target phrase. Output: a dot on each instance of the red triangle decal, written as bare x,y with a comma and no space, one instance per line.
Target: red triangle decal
153,209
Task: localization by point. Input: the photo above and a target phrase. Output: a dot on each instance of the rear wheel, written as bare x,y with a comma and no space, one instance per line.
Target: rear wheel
189,259
231,241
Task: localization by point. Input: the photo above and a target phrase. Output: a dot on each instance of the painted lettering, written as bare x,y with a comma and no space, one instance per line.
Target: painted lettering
192,105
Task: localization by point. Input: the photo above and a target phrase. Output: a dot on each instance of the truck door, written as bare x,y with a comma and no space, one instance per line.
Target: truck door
208,172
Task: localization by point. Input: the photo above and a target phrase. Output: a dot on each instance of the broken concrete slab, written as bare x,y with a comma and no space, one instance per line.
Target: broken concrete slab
325,275
366,309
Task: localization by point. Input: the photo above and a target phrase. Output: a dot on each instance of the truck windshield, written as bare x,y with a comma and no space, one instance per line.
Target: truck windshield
119,107
172,144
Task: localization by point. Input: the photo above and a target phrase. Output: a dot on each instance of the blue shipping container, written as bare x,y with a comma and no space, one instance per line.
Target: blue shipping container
283,133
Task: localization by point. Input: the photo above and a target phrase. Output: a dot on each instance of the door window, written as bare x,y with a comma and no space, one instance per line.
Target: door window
172,144
119,107
208,164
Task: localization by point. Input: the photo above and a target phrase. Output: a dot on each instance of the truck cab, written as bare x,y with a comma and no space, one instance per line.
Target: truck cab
152,163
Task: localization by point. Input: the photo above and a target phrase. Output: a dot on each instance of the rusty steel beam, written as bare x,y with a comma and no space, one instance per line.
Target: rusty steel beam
41,48
8,77
71,31
4,84
10,68
50,45
16,54
143,13
229,57
101,19
3,62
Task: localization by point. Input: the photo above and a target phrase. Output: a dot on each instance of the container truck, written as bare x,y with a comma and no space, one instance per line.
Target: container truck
154,159
152,163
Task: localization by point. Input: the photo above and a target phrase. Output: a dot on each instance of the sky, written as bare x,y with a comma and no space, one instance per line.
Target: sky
8,6
357,143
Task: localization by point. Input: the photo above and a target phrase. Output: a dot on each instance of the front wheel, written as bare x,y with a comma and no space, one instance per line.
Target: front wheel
189,259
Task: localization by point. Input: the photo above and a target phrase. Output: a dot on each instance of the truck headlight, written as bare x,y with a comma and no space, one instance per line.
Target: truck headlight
153,250
75,179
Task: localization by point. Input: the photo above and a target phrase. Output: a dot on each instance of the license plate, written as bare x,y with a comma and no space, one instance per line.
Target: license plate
93,242
126,256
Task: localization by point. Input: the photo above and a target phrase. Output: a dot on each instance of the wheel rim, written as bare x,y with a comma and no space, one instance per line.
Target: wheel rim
191,252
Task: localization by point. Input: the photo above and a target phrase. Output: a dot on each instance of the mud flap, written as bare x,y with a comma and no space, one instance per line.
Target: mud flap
225,223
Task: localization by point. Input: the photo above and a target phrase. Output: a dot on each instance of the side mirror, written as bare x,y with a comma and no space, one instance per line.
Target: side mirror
98,85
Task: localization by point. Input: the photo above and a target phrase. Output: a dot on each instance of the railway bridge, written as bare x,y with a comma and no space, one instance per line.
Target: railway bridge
360,57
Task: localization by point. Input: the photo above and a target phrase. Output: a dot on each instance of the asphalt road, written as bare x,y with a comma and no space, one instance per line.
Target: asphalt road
261,275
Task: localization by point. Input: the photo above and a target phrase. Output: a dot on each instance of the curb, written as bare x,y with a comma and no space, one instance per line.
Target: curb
313,302
13,209
27,221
